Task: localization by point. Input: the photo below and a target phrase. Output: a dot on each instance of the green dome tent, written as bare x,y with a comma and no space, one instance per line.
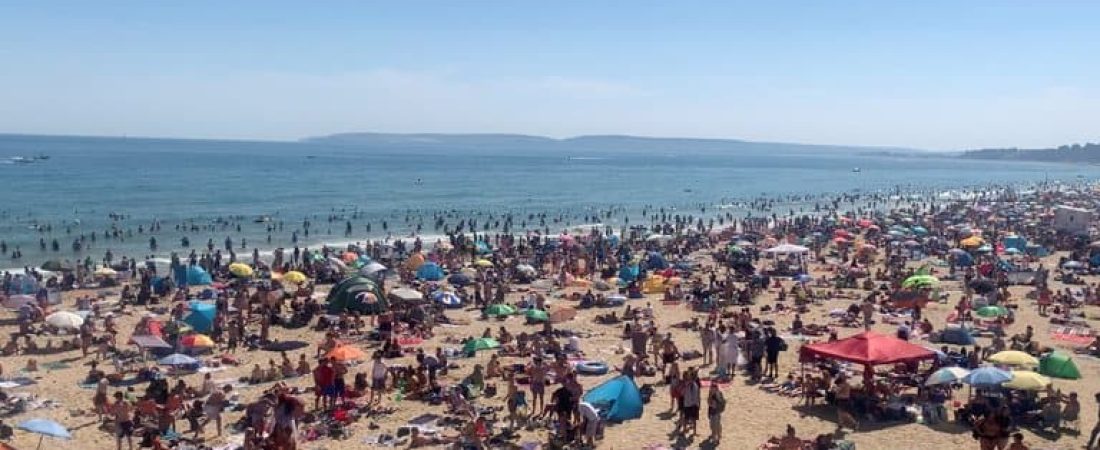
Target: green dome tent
499,309
357,293
474,345
537,315
1059,365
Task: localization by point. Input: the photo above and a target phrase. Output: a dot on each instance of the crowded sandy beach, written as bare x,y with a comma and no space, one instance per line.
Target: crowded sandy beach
932,324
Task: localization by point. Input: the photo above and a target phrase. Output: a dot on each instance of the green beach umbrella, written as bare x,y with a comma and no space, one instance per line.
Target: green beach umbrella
1059,365
992,311
499,310
537,315
920,281
480,344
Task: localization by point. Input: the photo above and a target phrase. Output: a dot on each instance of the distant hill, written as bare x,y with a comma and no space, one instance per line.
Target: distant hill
581,144
1076,153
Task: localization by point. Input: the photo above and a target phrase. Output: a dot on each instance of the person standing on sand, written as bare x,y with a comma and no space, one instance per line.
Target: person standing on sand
868,309
706,338
716,405
123,414
1095,429
536,373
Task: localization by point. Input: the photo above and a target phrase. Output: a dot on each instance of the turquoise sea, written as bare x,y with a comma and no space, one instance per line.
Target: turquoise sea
87,184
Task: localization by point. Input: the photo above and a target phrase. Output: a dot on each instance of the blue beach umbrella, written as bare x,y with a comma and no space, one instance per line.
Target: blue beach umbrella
45,427
987,376
448,299
946,375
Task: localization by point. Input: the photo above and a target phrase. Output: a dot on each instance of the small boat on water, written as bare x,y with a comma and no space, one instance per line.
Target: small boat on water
22,160
856,170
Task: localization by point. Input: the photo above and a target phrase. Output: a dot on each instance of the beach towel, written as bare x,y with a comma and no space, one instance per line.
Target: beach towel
1074,335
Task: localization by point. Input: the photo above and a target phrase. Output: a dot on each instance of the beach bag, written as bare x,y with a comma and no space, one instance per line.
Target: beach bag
783,346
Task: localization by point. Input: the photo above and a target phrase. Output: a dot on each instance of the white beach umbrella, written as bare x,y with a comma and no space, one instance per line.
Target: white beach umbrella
65,320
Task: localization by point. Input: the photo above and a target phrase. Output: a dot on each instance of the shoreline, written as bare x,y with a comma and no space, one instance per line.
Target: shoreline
742,209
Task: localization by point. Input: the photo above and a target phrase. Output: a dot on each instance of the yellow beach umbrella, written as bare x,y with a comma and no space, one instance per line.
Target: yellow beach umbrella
295,277
972,241
1014,358
1026,380
483,263
240,269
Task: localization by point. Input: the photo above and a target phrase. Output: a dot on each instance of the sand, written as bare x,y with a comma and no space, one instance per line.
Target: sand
751,417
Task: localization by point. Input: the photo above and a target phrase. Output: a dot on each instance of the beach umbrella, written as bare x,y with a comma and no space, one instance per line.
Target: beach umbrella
371,269
65,320
946,375
459,279
480,344
1059,365
45,427
177,359
920,230
295,277
483,263
803,278
105,272
1073,265
920,281
1026,380
196,341
526,269
972,242
346,353
992,311
241,270
987,376
958,252
448,299
1013,358
499,309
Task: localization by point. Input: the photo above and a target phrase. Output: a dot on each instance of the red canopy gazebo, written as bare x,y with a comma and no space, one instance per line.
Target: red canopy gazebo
869,349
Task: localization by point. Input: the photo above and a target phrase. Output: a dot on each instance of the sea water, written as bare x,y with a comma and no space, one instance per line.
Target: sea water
93,184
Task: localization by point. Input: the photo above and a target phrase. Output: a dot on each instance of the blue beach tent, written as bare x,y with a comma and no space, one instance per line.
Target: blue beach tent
629,273
201,318
617,399
191,275
430,271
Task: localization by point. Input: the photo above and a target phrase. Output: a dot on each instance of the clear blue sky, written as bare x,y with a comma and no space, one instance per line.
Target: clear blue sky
928,74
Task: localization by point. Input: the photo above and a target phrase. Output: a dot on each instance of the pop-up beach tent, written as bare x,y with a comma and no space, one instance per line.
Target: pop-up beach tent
430,271
617,399
357,293
201,318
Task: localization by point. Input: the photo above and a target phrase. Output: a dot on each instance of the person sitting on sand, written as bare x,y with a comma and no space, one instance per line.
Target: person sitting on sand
257,375
790,441
303,368
492,368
